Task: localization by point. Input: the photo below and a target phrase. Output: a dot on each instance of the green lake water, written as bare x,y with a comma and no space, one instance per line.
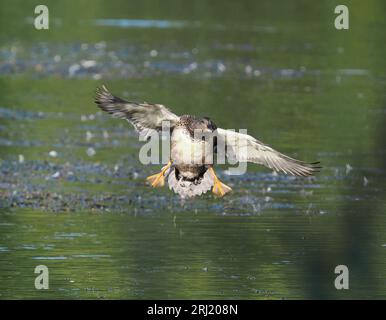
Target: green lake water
73,195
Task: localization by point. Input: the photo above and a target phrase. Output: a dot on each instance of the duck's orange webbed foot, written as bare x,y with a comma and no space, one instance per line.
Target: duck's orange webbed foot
219,189
158,179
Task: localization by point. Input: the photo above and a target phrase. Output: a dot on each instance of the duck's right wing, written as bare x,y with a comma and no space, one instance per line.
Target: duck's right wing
145,117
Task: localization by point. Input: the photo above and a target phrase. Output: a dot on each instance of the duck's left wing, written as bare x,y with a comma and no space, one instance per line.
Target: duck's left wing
145,117
245,148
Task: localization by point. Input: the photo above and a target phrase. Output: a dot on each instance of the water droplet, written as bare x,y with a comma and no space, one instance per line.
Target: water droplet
221,67
73,69
248,70
88,63
21,158
89,135
56,175
53,154
91,152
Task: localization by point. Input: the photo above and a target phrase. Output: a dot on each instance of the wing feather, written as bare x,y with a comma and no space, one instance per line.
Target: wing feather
145,117
245,148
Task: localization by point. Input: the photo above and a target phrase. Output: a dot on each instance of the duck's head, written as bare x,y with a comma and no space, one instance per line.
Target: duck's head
203,124
203,128
208,124
198,125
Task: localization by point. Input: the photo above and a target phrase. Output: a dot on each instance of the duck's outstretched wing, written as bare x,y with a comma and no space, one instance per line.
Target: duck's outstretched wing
145,117
244,148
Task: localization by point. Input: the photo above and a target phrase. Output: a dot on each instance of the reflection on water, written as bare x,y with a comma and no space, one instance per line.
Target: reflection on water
168,24
73,193
140,23
194,255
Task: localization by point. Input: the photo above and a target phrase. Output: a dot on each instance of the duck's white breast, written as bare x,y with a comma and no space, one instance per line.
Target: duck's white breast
186,150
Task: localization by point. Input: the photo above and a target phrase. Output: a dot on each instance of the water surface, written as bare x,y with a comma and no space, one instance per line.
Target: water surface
73,195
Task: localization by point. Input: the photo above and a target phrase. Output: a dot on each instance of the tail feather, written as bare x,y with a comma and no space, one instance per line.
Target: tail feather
187,188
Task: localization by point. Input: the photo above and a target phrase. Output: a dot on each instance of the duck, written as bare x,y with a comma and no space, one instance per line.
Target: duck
194,142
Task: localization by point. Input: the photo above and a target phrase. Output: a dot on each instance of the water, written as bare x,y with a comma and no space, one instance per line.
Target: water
73,195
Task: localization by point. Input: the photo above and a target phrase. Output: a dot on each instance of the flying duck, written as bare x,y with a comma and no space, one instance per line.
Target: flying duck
194,141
